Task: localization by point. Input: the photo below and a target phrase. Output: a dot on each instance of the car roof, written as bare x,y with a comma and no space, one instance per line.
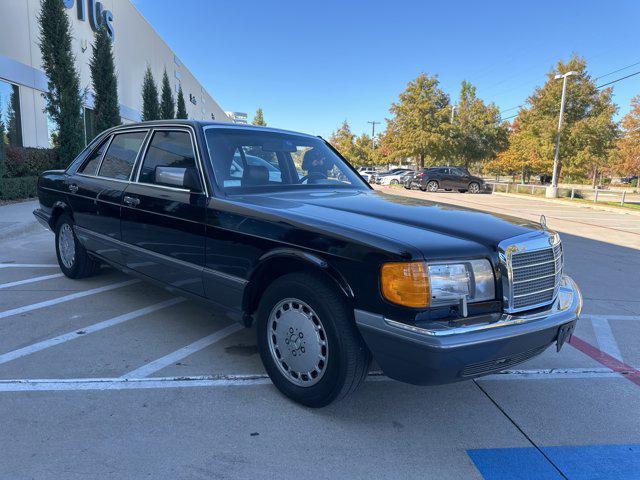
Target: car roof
206,124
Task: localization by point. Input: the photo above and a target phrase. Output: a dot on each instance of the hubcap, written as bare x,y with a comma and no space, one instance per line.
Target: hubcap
474,188
67,245
297,342
433,186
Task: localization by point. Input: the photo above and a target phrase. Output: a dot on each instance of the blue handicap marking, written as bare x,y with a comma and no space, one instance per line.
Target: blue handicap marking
583,462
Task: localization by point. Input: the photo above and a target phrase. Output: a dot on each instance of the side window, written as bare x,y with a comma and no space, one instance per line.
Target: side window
121,155
167,149
91,164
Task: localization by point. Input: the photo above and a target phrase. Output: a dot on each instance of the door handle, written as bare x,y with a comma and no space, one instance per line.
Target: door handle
73,188
131,201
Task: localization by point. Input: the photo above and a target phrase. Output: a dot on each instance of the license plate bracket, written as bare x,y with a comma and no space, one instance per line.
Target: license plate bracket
564,333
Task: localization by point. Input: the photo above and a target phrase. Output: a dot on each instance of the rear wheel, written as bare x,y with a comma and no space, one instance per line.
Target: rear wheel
394,182
432,186
73,258
474,187
308,341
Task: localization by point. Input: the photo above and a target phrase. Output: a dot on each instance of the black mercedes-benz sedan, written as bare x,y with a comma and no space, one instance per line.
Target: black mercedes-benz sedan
276,229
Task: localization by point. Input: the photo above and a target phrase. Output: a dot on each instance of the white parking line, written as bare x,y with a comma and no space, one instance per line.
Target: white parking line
606,340
122,383
66,298
178,355
28,265
30,280
606,318
81,332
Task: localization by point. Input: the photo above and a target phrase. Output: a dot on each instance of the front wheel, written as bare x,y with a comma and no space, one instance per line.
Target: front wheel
73,258
474,187
308,341
394,182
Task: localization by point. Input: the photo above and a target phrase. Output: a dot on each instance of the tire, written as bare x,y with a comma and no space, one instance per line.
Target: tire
312,311
394,182
474,187
73,258
461,190
432,186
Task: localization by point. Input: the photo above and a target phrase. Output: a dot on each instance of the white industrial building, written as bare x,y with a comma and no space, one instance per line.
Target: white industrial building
136,45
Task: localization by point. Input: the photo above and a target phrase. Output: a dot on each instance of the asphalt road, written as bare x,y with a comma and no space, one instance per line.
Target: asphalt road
110,377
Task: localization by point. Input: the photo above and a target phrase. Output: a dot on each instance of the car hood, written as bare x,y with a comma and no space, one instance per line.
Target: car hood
431,227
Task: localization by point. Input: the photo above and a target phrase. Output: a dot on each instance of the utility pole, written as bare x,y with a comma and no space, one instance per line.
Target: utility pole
373,131
553,190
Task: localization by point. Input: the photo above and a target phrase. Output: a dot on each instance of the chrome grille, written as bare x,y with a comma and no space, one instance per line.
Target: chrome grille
534,271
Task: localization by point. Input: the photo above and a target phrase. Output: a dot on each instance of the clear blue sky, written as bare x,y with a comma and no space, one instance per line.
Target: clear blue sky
311,65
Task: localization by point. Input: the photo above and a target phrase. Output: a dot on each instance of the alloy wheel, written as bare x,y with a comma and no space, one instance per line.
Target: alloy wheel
67,245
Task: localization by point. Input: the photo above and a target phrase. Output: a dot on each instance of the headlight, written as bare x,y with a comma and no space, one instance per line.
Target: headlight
418,284
450,282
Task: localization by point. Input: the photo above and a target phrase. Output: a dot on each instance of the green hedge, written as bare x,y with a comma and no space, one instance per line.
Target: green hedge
18,188
29,162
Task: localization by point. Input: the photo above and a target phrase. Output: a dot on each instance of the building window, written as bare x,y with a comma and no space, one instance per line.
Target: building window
178,75
10,119
177,61
90,130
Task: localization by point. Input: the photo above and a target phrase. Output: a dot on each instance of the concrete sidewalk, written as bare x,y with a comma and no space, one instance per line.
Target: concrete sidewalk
17,219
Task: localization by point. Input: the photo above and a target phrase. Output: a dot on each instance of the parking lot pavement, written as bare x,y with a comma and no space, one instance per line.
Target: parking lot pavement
110,377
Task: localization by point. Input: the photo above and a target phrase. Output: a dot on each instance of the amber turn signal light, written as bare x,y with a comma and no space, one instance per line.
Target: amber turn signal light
406,283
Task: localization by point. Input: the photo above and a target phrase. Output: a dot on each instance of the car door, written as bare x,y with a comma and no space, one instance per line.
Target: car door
96,191
163,225
459,180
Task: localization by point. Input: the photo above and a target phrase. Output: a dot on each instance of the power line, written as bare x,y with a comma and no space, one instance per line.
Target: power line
618,79
618,70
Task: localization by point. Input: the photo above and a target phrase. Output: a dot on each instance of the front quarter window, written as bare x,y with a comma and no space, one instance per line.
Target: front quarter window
246,160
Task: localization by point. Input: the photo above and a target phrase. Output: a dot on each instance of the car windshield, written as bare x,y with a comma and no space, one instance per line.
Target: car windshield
253,160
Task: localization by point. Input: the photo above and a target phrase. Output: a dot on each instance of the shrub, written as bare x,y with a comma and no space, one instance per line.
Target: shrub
30,162
17,188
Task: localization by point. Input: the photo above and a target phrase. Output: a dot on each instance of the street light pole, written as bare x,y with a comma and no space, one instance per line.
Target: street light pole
553,190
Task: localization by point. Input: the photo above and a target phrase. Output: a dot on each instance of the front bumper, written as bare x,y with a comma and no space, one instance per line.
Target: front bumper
479,346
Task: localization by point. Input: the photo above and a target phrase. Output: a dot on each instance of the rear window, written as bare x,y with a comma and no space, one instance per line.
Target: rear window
90,166
121,155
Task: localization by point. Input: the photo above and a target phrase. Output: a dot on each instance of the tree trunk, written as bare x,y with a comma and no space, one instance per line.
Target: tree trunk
422,160
595,177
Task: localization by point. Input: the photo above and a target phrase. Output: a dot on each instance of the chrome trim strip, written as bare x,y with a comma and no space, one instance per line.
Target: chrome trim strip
161,256
569,299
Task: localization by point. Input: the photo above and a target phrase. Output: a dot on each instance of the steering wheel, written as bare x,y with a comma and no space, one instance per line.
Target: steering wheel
310,176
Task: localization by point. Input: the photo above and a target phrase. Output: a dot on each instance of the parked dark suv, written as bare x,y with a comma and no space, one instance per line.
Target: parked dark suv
276,229
447,178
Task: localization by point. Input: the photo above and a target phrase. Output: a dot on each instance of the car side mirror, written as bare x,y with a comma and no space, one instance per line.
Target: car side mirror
178,177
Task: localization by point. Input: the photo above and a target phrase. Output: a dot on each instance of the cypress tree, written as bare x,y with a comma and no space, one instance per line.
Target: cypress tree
64,101
259,119
167,103
2,149
105,82
182,107
150,105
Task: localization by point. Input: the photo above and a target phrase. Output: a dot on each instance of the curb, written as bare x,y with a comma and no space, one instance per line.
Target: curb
572,203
